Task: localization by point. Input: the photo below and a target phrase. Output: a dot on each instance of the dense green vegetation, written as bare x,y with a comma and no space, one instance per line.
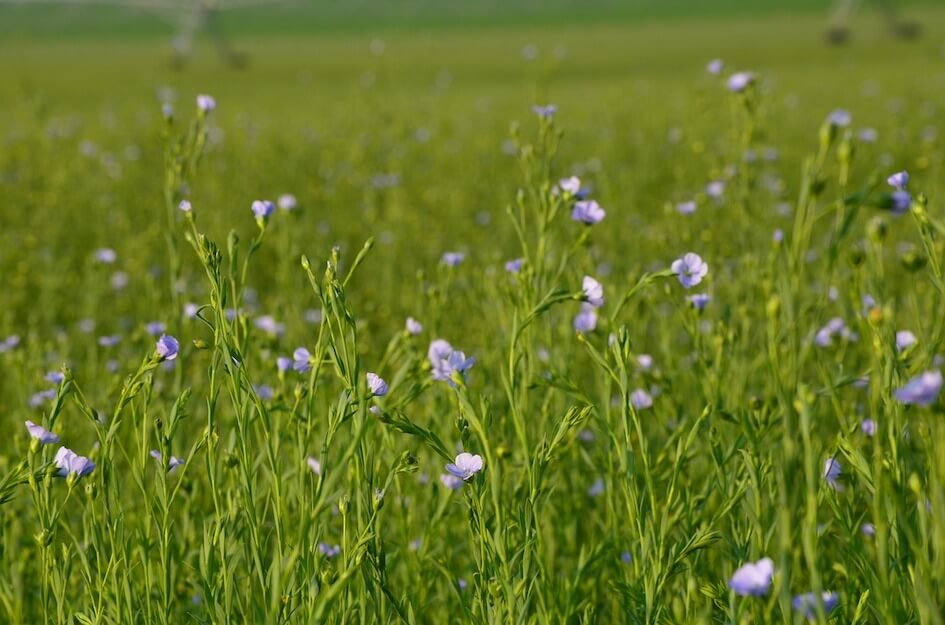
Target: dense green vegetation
629,469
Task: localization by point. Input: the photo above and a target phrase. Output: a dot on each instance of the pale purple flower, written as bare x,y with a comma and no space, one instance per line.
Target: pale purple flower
38,399
465,466
545,111
832,473
314,465
868,302
262,209
451,481
438,350
868,427
899,180
586,320
44,436
172,464
55,377
569,186
922,389
868,135
740,81
329,551
109,341
106,255
514,266
901,200
185,206
155,328
283,364
301,360
699,300
119,280
190,310
588,212
690,269
451,259
753,579
868,529
167,110
269,325
456,361
840,118
313,316
593,292
645,361
904,340
640,399
206,103
376,384
715,67
597,488
715,189
413,326
834,327
9,344
167,347
626,557
287,202
778,236
686,208
70,463
806,603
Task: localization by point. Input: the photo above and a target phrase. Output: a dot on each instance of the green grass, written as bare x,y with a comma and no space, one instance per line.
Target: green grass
724,468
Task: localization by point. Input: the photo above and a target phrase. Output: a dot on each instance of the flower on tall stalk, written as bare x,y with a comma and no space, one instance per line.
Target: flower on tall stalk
832,472
806,603
753,579
640,399
515,265
904,340
167,347
287,202
738,82
172,464
301,360
44,436
413,326
72,464
588,212
452,259
699,301
840,118
262,209
922,389
444,361
206,103
376,384
465,466
898,180
545,111
569,186
451,481
586,320
715,67
690,269
593,292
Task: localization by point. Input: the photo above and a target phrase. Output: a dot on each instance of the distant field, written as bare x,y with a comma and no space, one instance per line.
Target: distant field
639,448
280,18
